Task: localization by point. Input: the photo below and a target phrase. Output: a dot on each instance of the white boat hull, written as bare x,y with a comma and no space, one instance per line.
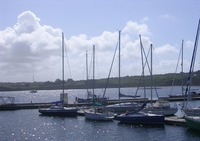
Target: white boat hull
160,111
123,107
92,115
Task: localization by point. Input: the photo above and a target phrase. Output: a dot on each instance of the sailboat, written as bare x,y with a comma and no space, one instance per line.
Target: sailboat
60,110
139,117
33,90
193,93
160,107
122,107
192,111
88,93
97,114
90,96
180,95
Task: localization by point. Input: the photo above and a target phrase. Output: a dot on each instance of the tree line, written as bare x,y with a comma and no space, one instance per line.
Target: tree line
128,81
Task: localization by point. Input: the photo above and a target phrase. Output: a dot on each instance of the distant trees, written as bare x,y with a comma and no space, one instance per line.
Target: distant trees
127,81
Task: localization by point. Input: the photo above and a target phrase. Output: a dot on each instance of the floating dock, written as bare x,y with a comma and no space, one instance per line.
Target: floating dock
180,98
17,106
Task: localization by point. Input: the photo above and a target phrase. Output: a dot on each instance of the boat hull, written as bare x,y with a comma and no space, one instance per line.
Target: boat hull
64,112
123,107
160,111
91,115
33,91
193,123
141,118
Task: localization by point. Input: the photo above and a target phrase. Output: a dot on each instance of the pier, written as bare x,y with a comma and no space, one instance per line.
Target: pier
18,106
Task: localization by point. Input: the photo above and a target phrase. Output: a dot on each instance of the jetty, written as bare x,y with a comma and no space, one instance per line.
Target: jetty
180,98
18,106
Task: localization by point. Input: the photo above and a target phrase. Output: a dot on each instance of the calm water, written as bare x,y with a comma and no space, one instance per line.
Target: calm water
29,125
112,93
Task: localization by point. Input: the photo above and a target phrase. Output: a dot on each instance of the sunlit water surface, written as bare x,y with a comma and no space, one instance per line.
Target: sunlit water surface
29,125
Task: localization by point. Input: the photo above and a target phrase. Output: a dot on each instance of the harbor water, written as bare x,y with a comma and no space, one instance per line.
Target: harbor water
29,125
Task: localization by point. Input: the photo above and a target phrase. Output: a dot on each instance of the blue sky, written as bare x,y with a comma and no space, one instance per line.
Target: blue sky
88,22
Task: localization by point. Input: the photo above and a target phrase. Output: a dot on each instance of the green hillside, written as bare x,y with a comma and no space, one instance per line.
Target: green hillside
127,81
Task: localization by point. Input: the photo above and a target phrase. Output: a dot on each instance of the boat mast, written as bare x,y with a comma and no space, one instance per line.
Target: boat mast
119,65
151,73
93,69
182,64
182,72
142,66
87,74
63,69
189,81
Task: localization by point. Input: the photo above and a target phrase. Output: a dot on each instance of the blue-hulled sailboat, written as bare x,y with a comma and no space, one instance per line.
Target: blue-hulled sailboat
59,109
140,118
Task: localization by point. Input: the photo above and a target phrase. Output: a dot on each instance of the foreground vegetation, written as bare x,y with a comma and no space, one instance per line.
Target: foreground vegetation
127,81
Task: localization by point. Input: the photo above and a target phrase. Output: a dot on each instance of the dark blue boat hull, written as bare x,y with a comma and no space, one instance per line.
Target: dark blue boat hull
59,112
141,119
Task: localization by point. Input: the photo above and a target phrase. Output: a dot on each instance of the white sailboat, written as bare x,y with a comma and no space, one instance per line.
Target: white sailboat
60,110
33,90
97,114
160,107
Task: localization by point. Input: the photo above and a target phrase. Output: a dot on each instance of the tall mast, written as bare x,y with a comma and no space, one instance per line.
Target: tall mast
182,70
151,73
87,73
63,68
142,66
189,81
93,69
119,64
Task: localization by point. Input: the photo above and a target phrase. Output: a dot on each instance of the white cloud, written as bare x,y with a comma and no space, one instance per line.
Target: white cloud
168,65
30,48
27,23
27,45
165,49
134,27
106,41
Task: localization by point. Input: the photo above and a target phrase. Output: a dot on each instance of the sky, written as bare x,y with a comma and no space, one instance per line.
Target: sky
31,37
